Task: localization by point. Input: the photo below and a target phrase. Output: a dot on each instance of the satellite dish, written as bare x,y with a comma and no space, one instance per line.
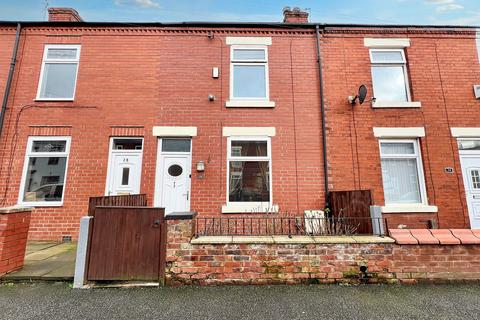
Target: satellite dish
362,93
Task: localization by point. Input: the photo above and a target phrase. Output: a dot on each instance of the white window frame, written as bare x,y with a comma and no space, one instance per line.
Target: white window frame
247,101
421,175
45,60
468,152
249,207
400,63
29,153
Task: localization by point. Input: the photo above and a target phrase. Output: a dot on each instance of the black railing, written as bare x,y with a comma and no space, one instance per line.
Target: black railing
269,226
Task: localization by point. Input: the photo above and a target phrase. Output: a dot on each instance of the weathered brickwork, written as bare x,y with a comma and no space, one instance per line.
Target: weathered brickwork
13,240
313,263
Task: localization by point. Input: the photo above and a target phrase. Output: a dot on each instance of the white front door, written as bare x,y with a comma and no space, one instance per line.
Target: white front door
125,167
172,190
471,177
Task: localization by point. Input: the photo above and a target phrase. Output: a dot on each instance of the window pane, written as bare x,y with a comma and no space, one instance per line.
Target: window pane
387,56
400,181
49,146
249,81
397,148
125,176
249,54
469,145
58,80
249,181
44,180
127,144
389,83
62,54
249,148
176,145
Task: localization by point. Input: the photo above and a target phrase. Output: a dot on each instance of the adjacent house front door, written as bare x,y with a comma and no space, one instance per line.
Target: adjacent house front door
125,166
471,177
172,190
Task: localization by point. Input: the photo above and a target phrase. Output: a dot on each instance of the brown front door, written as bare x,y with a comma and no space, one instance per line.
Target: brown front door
126,244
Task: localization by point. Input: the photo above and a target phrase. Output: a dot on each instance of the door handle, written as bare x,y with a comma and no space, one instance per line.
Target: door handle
156,223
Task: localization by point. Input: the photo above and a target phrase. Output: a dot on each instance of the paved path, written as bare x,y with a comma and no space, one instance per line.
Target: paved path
57,301
47,261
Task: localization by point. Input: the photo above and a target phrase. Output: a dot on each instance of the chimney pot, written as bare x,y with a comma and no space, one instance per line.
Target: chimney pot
64,14
295,15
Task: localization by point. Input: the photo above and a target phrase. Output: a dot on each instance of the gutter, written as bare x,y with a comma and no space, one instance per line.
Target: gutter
322,109
10,77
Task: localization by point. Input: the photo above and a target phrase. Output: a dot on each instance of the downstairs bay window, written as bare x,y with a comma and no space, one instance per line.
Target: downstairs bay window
45,170
248,175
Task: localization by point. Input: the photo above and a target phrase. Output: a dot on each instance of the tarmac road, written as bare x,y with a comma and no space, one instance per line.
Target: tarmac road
59,301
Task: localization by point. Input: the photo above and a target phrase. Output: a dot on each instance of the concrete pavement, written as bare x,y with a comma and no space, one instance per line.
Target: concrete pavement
46,261
58,301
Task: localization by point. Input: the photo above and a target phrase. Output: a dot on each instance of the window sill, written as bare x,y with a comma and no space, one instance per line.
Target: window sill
40,204
54,99
388,104
409,208
253,207
249,104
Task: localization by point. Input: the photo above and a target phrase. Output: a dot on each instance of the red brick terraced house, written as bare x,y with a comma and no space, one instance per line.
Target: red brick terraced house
232,119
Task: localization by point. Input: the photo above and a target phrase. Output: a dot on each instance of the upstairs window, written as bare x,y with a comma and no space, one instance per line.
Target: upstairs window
58,75
249,73
389,75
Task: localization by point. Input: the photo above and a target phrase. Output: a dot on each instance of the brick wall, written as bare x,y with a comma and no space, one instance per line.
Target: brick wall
13,240
137,78
442,70
131,79
211,264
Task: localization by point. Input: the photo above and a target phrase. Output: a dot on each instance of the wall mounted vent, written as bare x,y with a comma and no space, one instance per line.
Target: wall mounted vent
476,89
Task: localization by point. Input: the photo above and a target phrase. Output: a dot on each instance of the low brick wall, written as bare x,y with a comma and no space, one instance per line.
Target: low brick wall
14,225
295,263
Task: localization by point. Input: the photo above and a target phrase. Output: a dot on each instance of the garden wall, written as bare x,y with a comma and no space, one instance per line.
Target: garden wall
296,260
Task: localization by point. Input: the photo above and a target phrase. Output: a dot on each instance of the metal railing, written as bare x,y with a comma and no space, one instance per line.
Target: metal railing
269,226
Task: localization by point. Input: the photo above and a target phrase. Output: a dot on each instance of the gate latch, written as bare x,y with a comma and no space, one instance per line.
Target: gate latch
156,223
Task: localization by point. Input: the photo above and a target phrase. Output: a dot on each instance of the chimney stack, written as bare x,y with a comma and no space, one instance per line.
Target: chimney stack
63,14
294,15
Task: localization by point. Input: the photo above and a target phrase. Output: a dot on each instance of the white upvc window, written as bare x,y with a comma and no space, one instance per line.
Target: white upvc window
402,172
58,75
249,80
389,75
249,167
45,171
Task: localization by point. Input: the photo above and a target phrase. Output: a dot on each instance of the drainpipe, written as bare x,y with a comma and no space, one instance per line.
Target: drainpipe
10,77
322,109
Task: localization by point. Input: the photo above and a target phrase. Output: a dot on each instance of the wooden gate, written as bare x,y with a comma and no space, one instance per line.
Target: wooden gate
355,205
127,243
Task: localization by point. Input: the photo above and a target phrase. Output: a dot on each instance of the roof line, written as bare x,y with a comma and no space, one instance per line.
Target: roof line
234,24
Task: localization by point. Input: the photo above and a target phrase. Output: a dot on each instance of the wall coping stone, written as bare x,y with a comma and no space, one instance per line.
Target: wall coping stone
181,215
290,240
15,209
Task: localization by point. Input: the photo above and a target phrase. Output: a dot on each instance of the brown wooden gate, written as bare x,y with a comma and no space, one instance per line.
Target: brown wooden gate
355,205
127,243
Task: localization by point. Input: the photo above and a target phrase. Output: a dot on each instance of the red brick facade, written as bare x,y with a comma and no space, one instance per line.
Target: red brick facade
442,67
13,240
131,79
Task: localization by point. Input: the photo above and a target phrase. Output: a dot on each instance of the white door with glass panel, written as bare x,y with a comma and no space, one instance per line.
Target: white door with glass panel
172,190
470,161
125,167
